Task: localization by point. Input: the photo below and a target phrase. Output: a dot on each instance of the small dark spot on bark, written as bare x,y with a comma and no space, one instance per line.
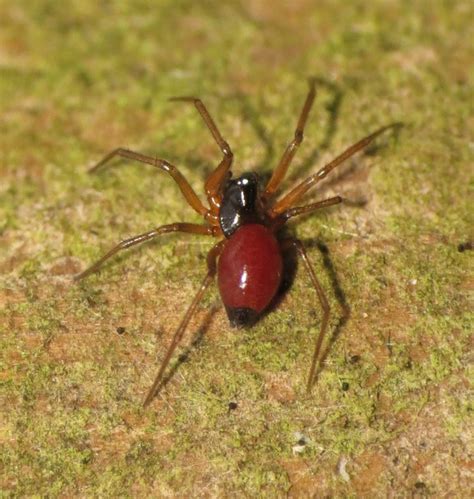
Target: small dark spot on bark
90,301
420,485
354,359
468,245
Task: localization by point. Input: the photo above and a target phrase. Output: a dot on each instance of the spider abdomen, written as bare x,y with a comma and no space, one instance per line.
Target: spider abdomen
249,273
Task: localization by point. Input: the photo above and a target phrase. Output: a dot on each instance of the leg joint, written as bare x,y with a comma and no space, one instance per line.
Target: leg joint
298,137
226,150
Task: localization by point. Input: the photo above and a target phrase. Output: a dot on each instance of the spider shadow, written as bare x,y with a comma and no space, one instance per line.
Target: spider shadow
290,267
186,353
340,297
348,175
252,117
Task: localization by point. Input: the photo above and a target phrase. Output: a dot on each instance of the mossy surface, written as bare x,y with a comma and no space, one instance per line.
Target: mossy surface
389,413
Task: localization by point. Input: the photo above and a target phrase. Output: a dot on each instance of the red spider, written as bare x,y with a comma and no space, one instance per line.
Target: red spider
248,261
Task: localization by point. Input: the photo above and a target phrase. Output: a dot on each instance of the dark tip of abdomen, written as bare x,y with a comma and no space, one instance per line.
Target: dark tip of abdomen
241,317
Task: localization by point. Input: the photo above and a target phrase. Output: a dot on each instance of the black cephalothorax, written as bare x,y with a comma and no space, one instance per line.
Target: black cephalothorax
241,203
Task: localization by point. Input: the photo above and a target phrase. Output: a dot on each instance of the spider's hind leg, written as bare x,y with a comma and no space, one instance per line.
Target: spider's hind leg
178,335
298,245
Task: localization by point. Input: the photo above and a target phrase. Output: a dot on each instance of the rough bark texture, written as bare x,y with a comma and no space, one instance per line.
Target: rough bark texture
388,414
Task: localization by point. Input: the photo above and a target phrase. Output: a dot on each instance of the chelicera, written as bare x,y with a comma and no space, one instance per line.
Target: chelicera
247,217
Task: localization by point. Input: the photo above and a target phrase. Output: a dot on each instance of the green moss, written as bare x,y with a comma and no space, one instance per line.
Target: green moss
78,81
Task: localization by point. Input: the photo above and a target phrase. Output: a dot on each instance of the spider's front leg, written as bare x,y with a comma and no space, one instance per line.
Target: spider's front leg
289,200
281,219
214,182
285,161
188,192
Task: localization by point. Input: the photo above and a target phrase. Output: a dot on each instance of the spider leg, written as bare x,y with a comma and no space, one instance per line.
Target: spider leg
324,305
285,161
217,177
178,335
183,184
146,236
298,192
301,210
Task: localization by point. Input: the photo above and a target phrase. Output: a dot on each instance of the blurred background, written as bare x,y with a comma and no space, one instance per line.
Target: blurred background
389,413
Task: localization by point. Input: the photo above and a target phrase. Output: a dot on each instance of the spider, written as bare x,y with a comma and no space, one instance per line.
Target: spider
247,217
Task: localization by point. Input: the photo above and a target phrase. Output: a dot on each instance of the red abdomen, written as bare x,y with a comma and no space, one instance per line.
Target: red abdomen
249,273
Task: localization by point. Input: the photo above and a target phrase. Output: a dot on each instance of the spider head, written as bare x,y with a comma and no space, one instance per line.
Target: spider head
241,203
